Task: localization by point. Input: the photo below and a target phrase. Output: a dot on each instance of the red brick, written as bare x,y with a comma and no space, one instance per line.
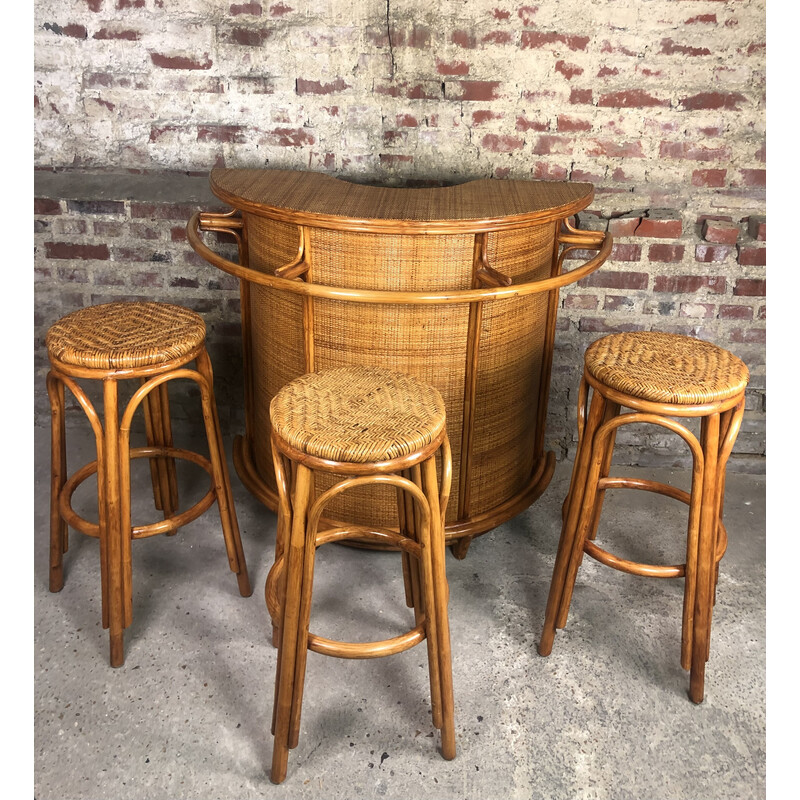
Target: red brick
586,176
502,14
452,68
180,62
630,98
711,254
479,117
72,30
501,173
94,5
108,278
569,124
757,228
720,232
525,124
254,9
666,253
105,229
586,302
709,177
290,137
625,252
502,144
464,39
247,37
527,14
612,279
536,39
605,72
710,18
660,224
85,252
569,71
147,279
753,177
46,205
752,256
689,284
624,226
580,96
391,158
177,233
148,232
553,145
729,101
497,37
749,336
762,312
668,47
123,4
279,9
221,133
302,86
182,282
154,211
473,90
124,35
693,152
406,121
735,312
548,172
614,149
697,310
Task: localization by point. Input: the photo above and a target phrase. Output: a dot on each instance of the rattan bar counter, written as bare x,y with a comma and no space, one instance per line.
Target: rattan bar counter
456,285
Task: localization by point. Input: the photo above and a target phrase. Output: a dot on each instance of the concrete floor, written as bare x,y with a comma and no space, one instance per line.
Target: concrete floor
605,716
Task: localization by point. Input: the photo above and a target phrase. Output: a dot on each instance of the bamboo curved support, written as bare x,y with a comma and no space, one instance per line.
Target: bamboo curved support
457,286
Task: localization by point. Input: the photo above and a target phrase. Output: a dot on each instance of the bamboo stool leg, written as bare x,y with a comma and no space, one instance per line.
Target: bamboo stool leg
601,442
612,409
111,533
426,605
58,476
404,530
159,434
227,512
290,610
575,497
441,596
705,559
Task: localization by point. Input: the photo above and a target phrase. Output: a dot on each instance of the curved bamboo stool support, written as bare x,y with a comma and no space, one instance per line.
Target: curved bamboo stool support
298,414
657,376
151,342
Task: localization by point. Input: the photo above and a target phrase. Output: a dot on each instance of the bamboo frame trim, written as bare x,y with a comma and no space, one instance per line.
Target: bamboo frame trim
381,296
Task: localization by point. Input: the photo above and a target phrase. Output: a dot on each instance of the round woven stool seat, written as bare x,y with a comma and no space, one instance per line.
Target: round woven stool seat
125,335
666,368
357,414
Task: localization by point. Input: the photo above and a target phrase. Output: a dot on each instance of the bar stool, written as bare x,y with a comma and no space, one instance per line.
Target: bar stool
371,426
658,376
112,342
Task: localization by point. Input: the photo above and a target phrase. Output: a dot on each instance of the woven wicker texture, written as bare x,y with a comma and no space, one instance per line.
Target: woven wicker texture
428,342
357,414
125,335
666,367
317,193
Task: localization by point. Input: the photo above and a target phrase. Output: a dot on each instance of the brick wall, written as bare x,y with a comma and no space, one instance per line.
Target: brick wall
659,103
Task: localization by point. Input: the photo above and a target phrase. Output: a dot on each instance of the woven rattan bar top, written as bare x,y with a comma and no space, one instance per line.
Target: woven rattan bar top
291,196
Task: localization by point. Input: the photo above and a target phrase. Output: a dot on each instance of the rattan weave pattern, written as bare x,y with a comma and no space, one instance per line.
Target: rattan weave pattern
125,335
666,367
357,414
